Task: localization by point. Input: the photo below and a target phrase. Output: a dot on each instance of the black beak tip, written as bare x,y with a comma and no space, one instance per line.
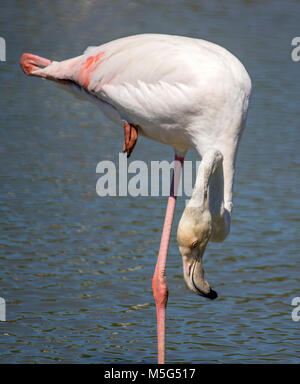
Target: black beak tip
212,295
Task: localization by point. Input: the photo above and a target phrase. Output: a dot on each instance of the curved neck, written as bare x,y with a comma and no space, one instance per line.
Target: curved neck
212,193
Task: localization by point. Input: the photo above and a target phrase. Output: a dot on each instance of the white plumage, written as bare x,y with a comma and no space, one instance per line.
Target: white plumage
184,92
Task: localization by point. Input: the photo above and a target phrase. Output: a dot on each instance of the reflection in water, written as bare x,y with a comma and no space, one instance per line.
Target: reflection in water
76,269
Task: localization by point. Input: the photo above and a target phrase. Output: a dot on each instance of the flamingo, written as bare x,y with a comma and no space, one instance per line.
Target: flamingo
183,92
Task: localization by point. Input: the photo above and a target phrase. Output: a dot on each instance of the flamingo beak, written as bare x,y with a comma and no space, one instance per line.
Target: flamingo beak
193,273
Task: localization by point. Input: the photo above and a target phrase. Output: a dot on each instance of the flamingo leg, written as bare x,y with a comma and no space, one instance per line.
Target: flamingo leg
31,63
159,283
130,138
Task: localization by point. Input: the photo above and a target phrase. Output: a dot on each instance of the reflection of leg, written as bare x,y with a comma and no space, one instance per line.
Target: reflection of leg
130,138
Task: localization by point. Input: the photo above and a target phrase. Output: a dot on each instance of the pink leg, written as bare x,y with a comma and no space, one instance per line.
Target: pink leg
159,284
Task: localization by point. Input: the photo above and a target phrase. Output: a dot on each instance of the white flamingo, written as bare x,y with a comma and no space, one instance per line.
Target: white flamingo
184,92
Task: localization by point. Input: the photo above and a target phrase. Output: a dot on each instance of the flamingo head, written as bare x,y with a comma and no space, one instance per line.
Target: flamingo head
193,234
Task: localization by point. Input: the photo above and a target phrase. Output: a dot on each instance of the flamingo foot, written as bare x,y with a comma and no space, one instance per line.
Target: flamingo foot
30,63
130,138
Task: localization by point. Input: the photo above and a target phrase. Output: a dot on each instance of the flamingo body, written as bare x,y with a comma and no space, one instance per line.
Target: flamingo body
178,90
184,92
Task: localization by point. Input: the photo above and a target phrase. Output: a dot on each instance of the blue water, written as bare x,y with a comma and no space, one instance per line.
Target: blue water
76,269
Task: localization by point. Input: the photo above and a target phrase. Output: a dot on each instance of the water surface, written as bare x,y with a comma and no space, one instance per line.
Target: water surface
76,269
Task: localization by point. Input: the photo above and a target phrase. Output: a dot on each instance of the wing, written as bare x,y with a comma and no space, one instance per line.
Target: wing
146,76
155,77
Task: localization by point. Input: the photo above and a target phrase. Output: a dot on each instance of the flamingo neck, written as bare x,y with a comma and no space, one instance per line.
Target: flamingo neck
212,195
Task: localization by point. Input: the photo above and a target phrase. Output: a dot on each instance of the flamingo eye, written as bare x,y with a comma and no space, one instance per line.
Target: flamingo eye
195,244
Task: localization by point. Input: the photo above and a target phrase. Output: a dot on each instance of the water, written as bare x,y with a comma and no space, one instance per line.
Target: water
76,269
